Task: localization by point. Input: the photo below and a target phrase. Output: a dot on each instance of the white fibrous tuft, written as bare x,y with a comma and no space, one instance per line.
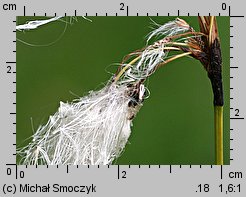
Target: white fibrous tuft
93,130
169,29
156,53
146,65
35,24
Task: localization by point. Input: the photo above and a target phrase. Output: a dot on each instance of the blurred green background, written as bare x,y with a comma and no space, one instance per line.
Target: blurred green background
63,60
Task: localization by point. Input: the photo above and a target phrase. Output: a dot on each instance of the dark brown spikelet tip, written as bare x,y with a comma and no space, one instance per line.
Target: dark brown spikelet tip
215,72
213,64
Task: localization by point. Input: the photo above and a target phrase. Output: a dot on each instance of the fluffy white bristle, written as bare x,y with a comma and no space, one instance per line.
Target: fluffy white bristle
93,130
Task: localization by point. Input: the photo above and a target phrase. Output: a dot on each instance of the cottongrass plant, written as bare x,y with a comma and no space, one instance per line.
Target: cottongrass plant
94,129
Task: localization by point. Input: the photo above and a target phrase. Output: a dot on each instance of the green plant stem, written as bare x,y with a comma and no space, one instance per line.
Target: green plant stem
218,125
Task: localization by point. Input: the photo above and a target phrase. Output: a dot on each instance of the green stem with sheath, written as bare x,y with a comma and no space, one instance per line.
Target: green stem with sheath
215,76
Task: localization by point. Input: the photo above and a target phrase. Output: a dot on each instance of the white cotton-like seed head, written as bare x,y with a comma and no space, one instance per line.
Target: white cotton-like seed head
169,29
93,130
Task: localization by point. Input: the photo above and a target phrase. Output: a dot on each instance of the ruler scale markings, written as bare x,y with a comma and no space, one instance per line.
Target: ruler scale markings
118,171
